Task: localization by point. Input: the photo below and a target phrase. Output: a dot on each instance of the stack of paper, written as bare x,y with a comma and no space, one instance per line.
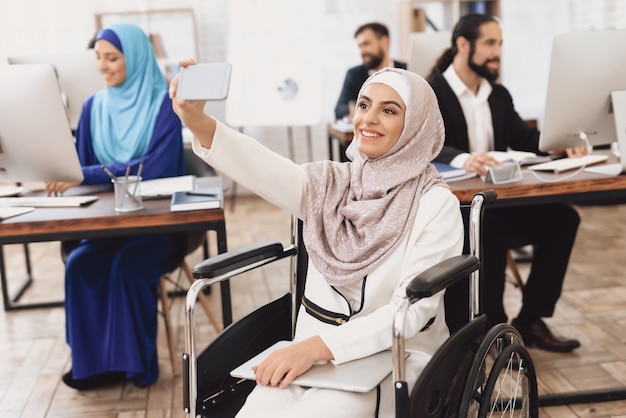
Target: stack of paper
165,187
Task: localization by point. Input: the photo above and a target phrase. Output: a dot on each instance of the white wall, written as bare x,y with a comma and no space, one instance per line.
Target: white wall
44,26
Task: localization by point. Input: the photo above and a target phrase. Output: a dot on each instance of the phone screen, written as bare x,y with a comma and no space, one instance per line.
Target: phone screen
209,81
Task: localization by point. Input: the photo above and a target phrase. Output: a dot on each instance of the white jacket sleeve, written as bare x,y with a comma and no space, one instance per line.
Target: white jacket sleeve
247,162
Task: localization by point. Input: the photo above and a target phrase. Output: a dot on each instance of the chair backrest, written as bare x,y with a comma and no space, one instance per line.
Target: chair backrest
250,335
196,166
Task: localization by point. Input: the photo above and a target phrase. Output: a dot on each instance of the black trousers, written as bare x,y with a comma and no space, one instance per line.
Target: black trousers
550,229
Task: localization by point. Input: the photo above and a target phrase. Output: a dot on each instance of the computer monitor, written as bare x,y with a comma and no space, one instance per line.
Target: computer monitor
425,48
36,143
585,68
78,77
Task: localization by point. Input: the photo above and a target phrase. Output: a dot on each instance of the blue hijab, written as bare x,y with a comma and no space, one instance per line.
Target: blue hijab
123,117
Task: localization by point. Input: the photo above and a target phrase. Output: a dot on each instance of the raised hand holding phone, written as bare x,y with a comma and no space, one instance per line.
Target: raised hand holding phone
191,110
207,81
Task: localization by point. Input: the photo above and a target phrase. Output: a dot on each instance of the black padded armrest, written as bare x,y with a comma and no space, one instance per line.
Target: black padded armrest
232,260
441,275
489,195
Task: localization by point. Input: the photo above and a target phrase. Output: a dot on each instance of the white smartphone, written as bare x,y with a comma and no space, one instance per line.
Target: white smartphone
209,81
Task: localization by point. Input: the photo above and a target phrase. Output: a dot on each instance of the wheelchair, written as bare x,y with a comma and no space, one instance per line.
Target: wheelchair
475,373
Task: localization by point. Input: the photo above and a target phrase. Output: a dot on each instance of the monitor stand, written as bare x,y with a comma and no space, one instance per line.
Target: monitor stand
618,99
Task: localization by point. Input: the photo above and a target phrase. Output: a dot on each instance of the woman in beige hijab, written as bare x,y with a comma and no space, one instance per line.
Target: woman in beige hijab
370,225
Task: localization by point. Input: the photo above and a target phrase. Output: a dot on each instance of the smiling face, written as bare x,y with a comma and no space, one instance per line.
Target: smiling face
486,50
378,120
111,63
372,48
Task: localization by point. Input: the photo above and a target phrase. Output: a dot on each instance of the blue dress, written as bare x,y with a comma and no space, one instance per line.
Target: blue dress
111,284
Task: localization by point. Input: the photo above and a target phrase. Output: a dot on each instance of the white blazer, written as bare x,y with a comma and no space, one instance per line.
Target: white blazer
437,234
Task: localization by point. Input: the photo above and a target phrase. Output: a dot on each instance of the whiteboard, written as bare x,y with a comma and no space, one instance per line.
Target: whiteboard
276,51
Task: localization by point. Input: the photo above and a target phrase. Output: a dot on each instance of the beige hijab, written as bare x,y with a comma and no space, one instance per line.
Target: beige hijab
357,212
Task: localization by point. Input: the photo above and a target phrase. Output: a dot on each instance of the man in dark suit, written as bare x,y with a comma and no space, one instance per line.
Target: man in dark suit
373,42
479,117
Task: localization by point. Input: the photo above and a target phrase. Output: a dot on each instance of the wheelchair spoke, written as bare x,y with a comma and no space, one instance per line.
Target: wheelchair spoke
502,380
510,388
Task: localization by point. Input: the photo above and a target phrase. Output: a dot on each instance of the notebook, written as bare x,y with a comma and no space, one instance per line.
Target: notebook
450,173
196,199
361,375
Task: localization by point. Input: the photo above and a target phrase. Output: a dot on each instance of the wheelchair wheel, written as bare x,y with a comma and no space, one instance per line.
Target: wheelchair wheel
496,340
511,388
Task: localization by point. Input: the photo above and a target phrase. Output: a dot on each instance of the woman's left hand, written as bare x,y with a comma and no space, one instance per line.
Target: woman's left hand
58,187
282,366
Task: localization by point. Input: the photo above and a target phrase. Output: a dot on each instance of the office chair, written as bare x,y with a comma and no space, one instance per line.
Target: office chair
197,167
476,372
511,265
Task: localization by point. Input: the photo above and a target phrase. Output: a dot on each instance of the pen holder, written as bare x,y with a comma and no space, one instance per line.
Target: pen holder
127,193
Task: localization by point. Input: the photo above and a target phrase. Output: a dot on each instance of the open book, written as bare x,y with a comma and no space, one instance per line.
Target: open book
521,157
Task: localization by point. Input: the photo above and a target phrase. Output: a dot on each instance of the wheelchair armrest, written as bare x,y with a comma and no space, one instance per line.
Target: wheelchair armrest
232,260
489,195
441,275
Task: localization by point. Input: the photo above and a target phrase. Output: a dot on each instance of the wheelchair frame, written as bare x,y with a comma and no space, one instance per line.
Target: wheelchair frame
473,386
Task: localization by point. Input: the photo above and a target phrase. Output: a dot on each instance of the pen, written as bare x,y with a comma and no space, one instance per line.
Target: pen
138,177
192,193
106,170
139,170
127,173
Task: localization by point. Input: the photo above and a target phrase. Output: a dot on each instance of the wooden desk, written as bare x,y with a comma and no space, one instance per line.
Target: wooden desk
98,220
583,186
342,138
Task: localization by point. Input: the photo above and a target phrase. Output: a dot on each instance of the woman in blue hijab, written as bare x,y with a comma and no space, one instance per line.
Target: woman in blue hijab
111,284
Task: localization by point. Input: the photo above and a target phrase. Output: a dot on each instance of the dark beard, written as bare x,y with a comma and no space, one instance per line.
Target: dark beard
482,70
374,63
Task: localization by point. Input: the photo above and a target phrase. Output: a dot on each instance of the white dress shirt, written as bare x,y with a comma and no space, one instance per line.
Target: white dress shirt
477,115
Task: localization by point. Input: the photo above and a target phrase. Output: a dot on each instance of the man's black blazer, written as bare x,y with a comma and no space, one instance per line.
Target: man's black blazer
509,130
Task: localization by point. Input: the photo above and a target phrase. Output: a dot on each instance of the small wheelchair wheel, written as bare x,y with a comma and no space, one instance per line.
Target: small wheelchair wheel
495,341
511,388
